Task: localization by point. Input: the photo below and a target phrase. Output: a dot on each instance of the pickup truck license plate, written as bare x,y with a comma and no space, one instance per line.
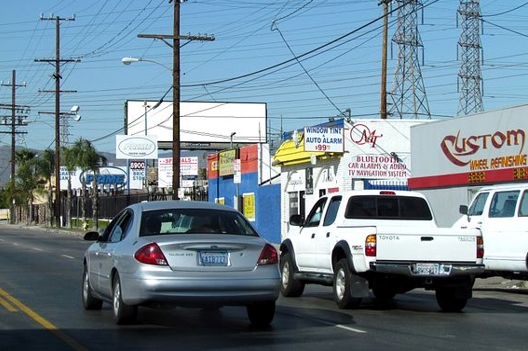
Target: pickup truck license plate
213,258
431,269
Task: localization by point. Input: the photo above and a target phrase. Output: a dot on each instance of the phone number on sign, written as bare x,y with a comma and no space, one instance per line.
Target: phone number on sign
477,177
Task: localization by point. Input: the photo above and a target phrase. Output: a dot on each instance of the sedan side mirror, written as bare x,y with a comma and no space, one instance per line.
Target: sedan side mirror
92,236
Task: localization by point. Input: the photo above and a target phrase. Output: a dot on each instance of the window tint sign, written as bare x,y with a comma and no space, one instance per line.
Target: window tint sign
325,139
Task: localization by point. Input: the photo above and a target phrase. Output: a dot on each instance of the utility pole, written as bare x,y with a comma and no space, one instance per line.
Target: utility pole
176,37
57,63
383,94
14,122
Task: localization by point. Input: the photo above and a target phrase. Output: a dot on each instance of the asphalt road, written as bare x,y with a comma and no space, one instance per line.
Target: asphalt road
40,309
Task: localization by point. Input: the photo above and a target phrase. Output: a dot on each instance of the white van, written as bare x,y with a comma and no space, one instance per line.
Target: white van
501,213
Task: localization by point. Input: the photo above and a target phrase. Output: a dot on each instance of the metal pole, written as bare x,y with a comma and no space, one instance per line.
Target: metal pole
57,124
176,104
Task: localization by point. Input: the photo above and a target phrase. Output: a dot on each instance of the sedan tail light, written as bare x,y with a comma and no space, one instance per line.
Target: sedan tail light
151,254
268,256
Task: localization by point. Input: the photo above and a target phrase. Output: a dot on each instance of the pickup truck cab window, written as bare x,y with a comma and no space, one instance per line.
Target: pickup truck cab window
389,208
314,217
331,213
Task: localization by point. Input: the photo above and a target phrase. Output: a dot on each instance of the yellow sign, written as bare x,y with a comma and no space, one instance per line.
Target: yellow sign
249,206
225,162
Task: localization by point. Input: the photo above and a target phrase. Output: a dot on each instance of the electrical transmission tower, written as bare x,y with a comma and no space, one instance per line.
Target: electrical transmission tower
408,93
469,78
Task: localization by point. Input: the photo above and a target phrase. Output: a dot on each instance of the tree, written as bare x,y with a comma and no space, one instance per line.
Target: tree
27,178
87,158
45,169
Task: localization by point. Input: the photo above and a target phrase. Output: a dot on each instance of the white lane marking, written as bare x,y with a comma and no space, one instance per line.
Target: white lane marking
68,256
36,249
355,330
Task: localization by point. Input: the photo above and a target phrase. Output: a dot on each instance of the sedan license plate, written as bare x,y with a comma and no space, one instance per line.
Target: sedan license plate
213,258
431,269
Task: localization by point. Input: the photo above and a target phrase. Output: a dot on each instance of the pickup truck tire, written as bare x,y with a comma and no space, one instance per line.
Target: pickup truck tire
342,284
447,300
384,293
290,287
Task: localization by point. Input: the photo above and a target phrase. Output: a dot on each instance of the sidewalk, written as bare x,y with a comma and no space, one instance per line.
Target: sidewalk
499,283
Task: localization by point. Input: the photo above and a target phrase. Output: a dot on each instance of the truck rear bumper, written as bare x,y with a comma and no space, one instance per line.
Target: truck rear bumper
427,270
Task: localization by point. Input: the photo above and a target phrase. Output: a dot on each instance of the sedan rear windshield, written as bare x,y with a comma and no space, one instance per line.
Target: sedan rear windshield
388,207
180,221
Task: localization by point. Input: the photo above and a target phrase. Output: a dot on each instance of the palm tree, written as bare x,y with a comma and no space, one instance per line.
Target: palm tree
88,159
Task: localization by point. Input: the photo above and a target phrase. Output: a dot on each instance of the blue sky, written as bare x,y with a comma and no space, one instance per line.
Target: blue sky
251,59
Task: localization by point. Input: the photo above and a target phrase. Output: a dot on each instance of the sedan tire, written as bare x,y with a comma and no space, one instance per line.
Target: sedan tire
123,313
261,313
89,301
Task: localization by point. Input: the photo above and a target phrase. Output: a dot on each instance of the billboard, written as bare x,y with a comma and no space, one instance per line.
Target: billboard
203,125
485,148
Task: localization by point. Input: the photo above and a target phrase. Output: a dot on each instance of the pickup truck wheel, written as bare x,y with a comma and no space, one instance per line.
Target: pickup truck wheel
290,287
447,300
342,284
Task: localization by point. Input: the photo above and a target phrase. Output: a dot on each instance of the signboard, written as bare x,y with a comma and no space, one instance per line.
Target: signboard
203,125
485,148
225,162
108,176
188,171
237,169
326,139
377,167
249,206
129,147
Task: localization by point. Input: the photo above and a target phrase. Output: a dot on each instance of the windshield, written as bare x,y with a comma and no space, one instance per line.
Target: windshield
179,221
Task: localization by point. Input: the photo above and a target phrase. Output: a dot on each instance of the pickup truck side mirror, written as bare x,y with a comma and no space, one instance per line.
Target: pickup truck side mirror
296,220
463,209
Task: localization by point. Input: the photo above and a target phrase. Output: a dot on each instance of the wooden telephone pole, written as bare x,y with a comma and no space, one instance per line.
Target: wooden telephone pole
57,63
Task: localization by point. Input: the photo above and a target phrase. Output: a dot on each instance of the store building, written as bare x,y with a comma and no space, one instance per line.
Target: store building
342,155
453,158
244,178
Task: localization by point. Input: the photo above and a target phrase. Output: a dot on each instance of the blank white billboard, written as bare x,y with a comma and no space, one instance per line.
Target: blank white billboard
202,124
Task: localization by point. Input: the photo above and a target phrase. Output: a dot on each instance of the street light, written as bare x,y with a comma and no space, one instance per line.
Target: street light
175,118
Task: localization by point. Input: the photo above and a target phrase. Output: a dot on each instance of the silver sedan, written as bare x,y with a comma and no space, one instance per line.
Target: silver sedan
180,253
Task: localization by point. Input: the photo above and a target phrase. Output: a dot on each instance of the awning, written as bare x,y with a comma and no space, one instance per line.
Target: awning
288,154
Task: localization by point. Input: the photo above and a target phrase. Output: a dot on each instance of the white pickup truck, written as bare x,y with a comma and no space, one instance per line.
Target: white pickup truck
387,241
501,213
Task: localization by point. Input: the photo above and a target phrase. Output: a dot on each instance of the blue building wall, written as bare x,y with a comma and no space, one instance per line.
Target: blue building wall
267,201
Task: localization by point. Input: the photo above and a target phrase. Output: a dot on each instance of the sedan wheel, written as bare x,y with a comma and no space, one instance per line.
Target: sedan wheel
89,302
123,314
261,313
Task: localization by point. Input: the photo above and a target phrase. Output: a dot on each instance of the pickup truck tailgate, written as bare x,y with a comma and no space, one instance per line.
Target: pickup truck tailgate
429,245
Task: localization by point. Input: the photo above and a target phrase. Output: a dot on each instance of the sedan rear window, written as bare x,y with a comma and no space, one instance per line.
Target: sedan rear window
388,207
181,221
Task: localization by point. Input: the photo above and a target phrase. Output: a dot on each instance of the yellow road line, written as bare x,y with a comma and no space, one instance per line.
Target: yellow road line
7,305
42,321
